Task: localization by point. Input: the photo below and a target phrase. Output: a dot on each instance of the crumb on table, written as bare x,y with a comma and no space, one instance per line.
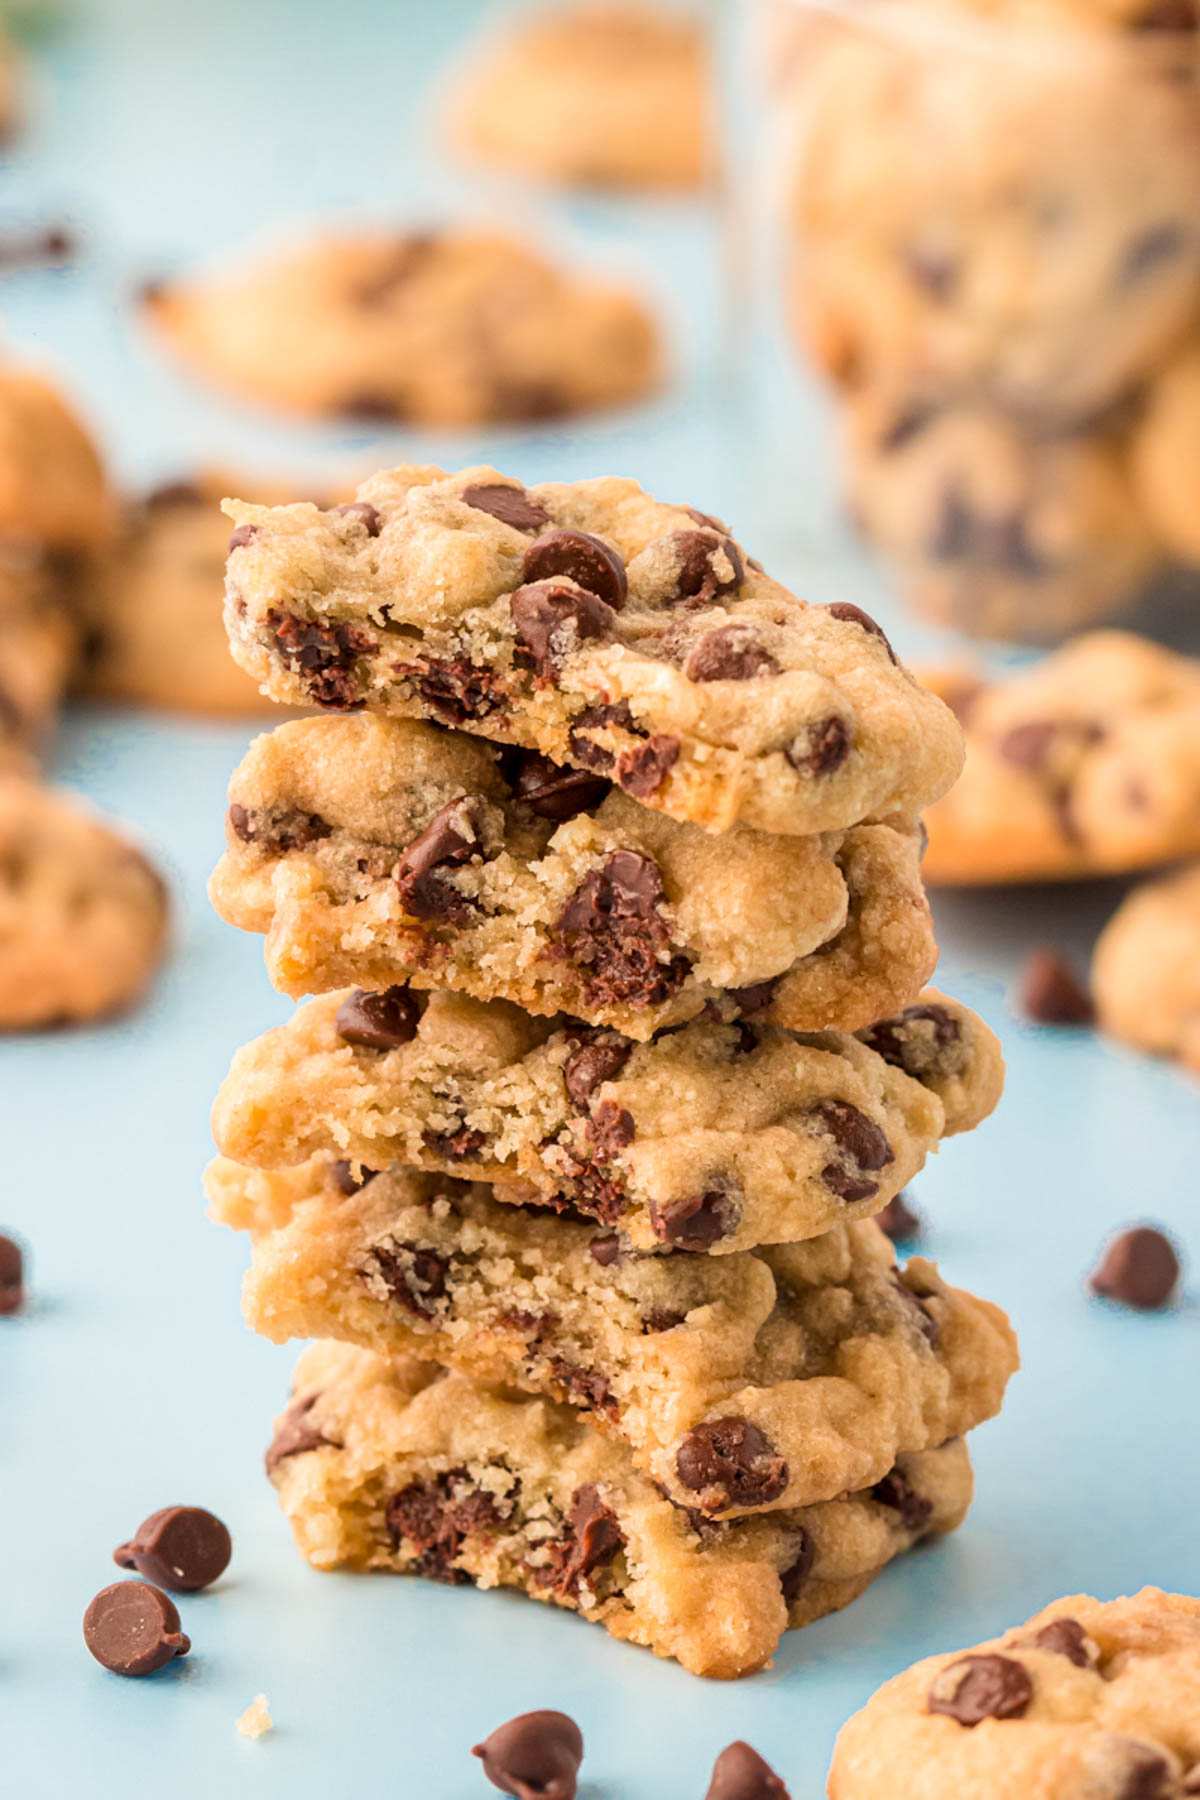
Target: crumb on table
256,1720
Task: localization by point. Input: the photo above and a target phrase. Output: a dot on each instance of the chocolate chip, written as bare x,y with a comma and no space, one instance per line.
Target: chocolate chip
414,1276
707,566
897,1493
182,1547
324,656
433,1519
1145,1773
661,1318
454,1146
586,560
133,1629
455,688
510,504
696,1221
372,408
278,831
613,931
756,998
740,1773
898,1221
918,1311
1148,253
345,1180
981,1687
550,622
241,536
1051,993
863,1145
584,750
732,653
556,793
854,615
584,1388
820,748
1139,1268
294,1436
793,1578
641,772
605,1251
598,1061
595,1540
611,1128
534,1757
368,516
452,837
730,1462
924,1040
54,245
12,1277
378,1021
1066,1637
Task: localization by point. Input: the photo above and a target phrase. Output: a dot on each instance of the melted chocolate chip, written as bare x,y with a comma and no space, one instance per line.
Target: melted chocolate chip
534,1757
981,1687
584,1388
170,494
378,1021
854,615
612,930
454,1146
897,1493
12,1277
433,1519
661,1318
241,536
343,1177
793,1578
731,653
730,1462
595,1062
511,505
368,516
641,772
294,1436
1051,992
593,718
556,793
924,1040
611,1129
707,564
324,656
595,1540
1139,1268
413,1275
455,688
451,839
820,748
278,831
1066,1637
579,557
133,1629
180,1547
551,622
898,1221
740,1773
695,1221
864,1148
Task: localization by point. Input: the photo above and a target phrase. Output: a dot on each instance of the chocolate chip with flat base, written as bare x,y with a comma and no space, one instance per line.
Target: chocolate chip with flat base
382,1020
534,1757
740,1773
981,1687
184,1548
511,505
1066,1637
1051,993
133,1629
586,560
1139,1268
12,1277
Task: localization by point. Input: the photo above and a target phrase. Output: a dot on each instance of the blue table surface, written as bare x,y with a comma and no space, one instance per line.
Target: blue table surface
170,135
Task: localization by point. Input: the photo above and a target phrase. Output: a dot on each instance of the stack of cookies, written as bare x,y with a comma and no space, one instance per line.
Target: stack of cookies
606,880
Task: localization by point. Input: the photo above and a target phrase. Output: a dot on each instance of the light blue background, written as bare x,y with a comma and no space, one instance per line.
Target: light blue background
171,133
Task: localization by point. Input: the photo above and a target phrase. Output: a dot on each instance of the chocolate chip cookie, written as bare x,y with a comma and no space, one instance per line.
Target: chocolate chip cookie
447,328
1146,968
712,1137
390,1465
39,644
386,850
53,489
737,1383
606,630
1086,1699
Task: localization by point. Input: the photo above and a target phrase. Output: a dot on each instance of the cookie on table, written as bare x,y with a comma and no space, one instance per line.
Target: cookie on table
385,850
720,1374
447,328
997,532
711,1137
1146,968
603,628
608,93
83,915
53,489
391,1465
39,645
1087,763
1166,455
1087,1699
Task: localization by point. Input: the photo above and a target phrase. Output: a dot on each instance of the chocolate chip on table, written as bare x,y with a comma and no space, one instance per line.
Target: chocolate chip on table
981,1687
731,653
1139,1268
56,245
557,793
452,837
740,1773
898,1221
1051,993
820,748
511,505
586,560
534,1757
708,565
551,620
1067,1637
133,1629
12,1277
383,1020
854,615
183,1548
368,516
730,1462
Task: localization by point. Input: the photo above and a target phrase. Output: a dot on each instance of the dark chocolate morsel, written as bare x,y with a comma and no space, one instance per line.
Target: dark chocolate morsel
595,1062
708,565
613,931
1052,993
12,1276
294,1436
534,1757
643,770
898,1221
863,1145
368,516
511,505
556,793
793,1578
180,1547
820,748
696,1221
854,615
241,536
897,1493
378,1021
1140,1268
579,557
731,653
740,1773
452,837
1066,1637
730,1462
550,621
133,1629
981,1687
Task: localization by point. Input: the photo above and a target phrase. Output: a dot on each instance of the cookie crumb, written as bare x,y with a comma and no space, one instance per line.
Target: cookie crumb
1051,993
256,1721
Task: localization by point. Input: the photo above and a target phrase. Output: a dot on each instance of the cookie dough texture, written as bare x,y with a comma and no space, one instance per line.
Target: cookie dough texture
448,328
601,627
82,913
1146,969
713,1137
389,1465
53,489
600,94
1087,1699
822,1360
381,850
1087,763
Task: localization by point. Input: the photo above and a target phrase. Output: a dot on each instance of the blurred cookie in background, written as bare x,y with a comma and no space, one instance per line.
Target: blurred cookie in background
1166,455
53,488
1086,764
39,642
83,915
601,94
449,328
1146,968
12,87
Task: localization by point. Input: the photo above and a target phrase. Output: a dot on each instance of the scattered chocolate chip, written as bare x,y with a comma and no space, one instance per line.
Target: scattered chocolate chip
534,1757
455,688
433,1519
294,1436
586,560
1051,993
1139,1268
181,1547
511,505
820,748
368,516
854,615
793,1578
599,1060
1066,1637
414,1276
278,832
605,1250
740,1773
612,930
55,244
594,718
12,1277
707,566
550,622
696,1221
378,1021
863,1145
451,839
641,772
595,1540
611,1128
324,655
556,793
730,1462
898,1221
897,1492
981,1687
133,1629
241,536
731,653
345,1180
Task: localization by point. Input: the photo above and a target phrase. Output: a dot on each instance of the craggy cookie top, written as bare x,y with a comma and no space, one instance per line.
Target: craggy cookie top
712,1137
53,489
769,1379
1146,968
453,327
599,626
1086,1702
379,850
1086,763
381,1464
